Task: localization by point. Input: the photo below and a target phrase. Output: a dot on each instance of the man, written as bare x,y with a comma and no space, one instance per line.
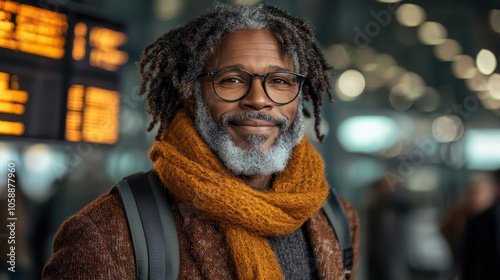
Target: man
479,194
227,92
481,252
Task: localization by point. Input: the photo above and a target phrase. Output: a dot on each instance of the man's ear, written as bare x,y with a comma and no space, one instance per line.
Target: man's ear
190,106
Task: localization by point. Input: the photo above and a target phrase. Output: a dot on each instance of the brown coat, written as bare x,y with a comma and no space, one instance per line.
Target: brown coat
95,243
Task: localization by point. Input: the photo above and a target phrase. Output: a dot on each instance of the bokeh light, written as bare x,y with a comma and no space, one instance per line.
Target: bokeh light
447,128
482,149
337,56
392,74
432,33
478,82
495,20
43,165
486,61
351,84
167,9
414,83
447,50
410,15
399,97
367,134
463,67
494,86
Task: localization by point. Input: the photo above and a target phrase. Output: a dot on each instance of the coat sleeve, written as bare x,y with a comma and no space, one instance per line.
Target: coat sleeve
91,245
353,218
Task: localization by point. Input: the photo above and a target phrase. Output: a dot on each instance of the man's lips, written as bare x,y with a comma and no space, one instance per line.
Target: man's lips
253,125
254,122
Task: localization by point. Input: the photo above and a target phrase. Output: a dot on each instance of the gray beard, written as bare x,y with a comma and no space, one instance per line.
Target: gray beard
254,160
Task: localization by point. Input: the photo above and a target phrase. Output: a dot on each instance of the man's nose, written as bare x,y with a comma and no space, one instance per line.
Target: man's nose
256,97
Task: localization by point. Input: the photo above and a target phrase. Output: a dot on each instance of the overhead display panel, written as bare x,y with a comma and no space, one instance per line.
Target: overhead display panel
59,74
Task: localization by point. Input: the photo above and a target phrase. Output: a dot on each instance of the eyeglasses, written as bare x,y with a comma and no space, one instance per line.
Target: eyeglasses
282,87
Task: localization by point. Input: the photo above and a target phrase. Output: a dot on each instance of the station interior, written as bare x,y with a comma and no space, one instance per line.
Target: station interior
412,135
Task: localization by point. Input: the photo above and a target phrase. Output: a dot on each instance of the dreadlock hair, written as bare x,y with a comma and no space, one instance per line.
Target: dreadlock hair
169,66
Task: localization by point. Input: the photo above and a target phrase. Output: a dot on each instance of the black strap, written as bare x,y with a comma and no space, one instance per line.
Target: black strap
338,219
153,232
169,228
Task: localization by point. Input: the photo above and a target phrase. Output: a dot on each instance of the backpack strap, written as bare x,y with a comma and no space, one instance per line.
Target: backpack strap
338,220
153,231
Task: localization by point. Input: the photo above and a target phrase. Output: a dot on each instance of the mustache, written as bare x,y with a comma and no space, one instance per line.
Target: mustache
282,123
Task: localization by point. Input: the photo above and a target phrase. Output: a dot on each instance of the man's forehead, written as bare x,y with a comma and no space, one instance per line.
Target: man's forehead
246,43
262,38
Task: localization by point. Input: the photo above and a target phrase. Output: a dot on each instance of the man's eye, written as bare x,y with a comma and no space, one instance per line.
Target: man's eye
280,81
231,80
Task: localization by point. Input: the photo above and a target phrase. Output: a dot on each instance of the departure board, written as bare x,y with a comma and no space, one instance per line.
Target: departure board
59,74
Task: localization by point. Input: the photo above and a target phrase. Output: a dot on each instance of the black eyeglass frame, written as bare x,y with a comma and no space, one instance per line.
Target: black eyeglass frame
301,78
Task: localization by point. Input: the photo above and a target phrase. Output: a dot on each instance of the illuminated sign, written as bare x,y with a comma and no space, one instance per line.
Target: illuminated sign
100,45
12,101
58,74
41,32
35,31
92,115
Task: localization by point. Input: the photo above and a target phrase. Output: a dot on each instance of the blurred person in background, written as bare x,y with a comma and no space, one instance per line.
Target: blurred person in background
481,255
387,213
480,194
227,91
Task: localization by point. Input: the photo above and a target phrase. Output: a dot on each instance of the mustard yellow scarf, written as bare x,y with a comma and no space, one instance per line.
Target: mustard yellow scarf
197,178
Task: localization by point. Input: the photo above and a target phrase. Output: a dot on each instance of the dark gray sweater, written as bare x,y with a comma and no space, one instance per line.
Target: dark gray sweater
295,255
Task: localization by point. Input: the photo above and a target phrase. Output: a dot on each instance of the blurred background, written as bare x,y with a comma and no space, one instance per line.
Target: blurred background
412,136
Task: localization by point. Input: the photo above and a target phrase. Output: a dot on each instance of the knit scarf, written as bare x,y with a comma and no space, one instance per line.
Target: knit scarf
195,177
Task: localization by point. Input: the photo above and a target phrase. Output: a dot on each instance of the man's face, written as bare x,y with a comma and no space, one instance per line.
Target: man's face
256,51
252,136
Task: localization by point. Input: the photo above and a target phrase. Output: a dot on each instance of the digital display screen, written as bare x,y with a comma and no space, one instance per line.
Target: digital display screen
59,74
